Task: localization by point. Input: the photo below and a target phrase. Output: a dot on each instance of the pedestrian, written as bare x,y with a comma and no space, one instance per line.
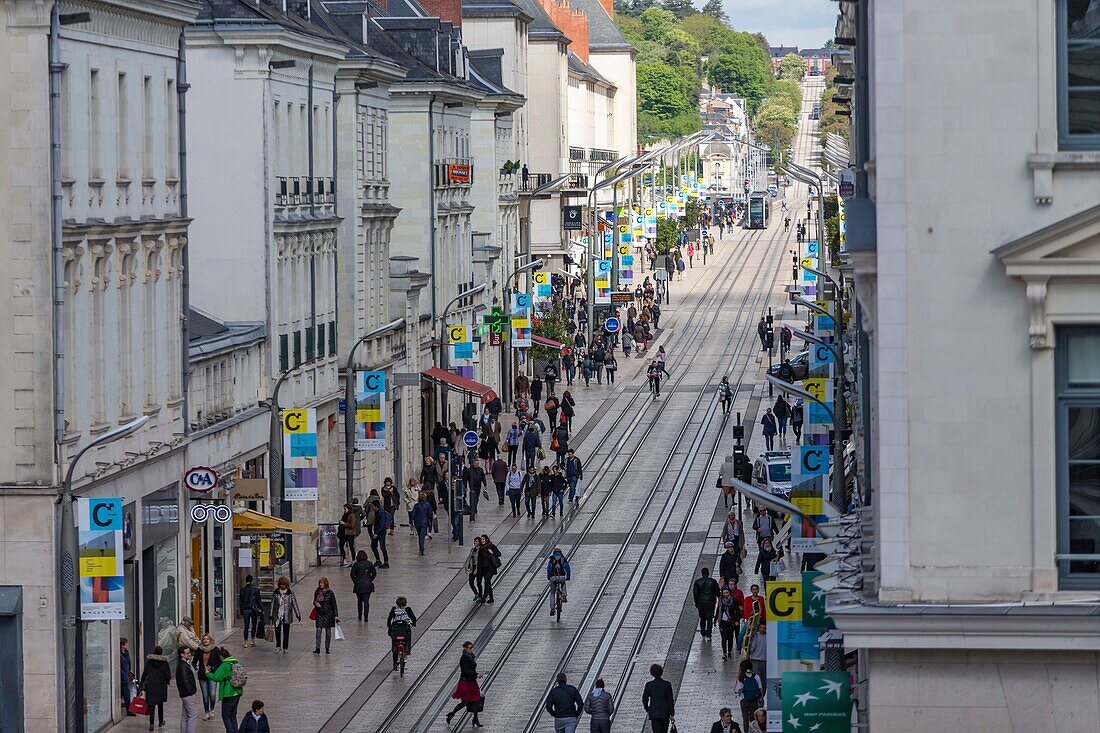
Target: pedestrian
421,518
325,614
231,679
362,584
729,563
284,612
727,613
691,254
657,700
600,706
471,569
381,527
725,395
499,471
248,603
569,365
536,394
126,675
487,448
797,417
628,338
574,472
187,685
513,438
208,658
587,368
725,723
727,472
786,371
530,485
531,445
409,496
759,723
474,478
758,653
565,705
785,336
610,365
186,636
705,592
762,333
346,533
154,682
765,561
552,405
558,486
782,410
655,314
549,377
764,524
546,489
467,691
443,478
768,422
255,720
754,604
488,562
750,690
568,408
559,443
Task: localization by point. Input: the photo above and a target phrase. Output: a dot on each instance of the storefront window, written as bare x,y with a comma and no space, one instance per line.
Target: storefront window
99,674
167,596
219,572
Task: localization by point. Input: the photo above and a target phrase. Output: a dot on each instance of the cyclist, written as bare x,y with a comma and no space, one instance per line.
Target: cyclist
400,623
557,572
654,373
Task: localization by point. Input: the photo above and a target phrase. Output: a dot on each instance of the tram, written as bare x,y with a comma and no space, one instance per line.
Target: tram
759,210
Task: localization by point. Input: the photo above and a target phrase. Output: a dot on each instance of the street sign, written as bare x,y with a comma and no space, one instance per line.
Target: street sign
611,324
497,320
201,512
406,379
470,439
571,218
201,479
622,297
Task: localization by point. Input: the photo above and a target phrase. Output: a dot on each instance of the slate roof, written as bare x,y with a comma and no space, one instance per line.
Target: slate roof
238,11
603,34
493,9
779,51
207,335
585,70
541,27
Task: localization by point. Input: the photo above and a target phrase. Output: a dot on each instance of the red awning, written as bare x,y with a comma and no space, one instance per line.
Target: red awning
543,341
469,386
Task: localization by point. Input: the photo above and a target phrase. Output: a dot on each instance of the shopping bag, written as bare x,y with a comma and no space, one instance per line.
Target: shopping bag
269,634
138,706
338,633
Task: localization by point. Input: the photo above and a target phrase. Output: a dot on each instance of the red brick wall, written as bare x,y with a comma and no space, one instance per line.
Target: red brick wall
446,10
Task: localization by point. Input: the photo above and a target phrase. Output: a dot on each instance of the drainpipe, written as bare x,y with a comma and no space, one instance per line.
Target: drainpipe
185,281
310,143
431,240
56,214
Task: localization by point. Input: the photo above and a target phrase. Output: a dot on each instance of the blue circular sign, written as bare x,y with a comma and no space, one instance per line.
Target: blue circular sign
470,439
611,324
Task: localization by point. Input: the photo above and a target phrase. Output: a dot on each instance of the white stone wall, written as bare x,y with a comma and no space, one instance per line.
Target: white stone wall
620,69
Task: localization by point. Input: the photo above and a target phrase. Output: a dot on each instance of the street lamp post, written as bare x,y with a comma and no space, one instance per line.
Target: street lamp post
444,351
68,581
506,351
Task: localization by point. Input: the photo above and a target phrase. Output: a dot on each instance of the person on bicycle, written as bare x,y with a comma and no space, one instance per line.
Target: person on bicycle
557,572
654,373
400,624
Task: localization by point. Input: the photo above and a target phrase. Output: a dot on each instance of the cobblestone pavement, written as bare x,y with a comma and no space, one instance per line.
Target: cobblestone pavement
650,516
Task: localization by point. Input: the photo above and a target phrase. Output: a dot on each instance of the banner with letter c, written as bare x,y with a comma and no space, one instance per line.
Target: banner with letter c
370,411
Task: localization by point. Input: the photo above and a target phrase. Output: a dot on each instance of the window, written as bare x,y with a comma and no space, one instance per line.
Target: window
1078,458
147,128
122,111
1078,75
94,117
171,144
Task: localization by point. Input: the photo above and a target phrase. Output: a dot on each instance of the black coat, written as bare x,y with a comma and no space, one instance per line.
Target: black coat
486,568
249,724
564,701
467,667
705,592
362,577
657,699
187,679
155,679
326,609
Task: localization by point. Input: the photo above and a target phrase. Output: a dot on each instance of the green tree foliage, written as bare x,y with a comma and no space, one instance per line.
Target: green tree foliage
680,8
662,92
667,232
775,123
714,9
792,66
831,120
554,325
742,68
789,91
657,22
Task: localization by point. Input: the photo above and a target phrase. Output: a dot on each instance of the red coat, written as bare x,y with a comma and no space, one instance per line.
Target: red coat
759,602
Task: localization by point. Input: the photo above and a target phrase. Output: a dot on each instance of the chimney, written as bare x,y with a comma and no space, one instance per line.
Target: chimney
445,10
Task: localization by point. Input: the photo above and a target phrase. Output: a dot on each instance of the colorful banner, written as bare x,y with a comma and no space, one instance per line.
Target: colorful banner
790,644
520,321
626,267
300,479
651,222
603,282
815,701
540,281
813,602
102,579
370,411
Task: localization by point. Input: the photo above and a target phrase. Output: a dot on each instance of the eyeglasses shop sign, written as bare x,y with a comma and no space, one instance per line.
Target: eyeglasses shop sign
201,479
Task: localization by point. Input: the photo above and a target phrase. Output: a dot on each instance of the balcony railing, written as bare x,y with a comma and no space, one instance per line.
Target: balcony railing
599,155
454,173
303,190
577,182
534,180
576,153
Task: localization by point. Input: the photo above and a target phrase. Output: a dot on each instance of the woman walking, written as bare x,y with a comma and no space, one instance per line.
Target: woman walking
513,442
514,488
362,579
560,444
488,561
610,365
324,613
568,409
531,486
765,561
410,494
782,410
467,691
154,683
750,690
470,567
600,707
728,615
284,612
207,658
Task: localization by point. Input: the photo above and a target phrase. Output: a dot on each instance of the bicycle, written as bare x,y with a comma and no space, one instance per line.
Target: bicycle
559,599
401,652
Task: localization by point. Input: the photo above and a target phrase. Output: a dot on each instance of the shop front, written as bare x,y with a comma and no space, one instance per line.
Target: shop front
261,548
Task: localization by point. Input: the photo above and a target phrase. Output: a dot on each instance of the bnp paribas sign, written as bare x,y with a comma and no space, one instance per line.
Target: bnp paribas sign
816,702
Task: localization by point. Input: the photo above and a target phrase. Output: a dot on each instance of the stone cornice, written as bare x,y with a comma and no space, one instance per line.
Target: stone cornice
222,33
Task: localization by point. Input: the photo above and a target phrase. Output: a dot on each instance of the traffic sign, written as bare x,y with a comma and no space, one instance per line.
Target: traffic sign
470,439
611,324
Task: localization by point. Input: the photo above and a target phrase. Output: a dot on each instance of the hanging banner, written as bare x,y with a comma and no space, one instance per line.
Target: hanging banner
813,602
299,454
102,580
603,282
626,266
460,344
370,411
541,282
625,237
651,222
520,321
789,643
815,701
608,242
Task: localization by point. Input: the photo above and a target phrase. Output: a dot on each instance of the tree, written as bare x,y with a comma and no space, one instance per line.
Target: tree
680,8
775,122
554,325
667,233
657,22
789,91
714,9
661,91
792,66
742,69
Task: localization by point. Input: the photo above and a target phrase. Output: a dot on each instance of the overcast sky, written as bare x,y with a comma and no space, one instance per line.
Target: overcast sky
802,23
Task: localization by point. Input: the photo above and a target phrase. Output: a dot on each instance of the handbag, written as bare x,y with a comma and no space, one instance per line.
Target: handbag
313,614
494,561
477,706
269,634
338,633
138,706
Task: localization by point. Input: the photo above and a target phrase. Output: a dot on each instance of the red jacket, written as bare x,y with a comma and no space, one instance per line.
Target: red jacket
759,602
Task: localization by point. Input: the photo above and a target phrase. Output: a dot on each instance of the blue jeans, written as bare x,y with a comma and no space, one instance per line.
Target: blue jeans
229,713
251,622
209,695
565,725
783,426
572,487
557,502
421,534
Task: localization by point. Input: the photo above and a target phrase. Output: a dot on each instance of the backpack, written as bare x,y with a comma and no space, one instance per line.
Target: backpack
750,689
557,567
402,624
238,675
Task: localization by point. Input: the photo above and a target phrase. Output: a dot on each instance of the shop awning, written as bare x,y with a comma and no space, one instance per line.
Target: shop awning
469,386
253,521
543,341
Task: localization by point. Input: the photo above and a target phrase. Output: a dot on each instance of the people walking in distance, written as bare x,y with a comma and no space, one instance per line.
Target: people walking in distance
658,700
729,564
754,604
536,395
558,486
764,525
610,365
531,444
771,427
732,531
654,374
514,488
628,338
749,690
381,527
187,685
346,533
231,678
568,409
284,612
362,584
559,443
488,562
421,517
473,476
564,704
725,395
782,410
248,600
569,366
704,593
467,692
499,472
326,616
154,682
759,722
471,569
727,472
531,486
727,614
797,416
765,561
558,573
600,706
513,437
725,723
785,336
429,475
655,314
186,636
400,623
208,658
546,489
549,378
574,472
255,720
587,369
762,333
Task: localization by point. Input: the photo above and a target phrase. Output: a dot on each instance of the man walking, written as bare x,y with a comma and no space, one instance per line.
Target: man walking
704,593
187,683
657,699
764,524
758,652
474,478
762,332
574,472
564,703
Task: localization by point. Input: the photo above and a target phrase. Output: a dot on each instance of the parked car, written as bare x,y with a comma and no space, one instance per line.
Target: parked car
772,473
799,362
